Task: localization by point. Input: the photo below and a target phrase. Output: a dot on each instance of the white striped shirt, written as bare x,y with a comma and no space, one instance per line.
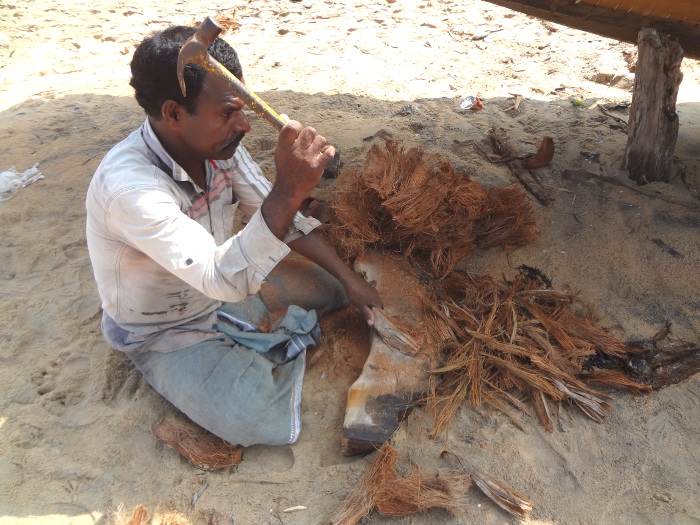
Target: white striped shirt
161,247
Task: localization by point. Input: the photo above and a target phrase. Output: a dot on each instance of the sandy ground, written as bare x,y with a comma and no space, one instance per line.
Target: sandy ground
76,420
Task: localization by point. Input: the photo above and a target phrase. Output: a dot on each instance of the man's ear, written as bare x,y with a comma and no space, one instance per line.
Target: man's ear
172,112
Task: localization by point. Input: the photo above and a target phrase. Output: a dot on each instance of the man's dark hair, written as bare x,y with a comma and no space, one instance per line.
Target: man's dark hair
154,70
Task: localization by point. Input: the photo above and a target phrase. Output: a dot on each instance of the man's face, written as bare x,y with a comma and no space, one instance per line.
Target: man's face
218,125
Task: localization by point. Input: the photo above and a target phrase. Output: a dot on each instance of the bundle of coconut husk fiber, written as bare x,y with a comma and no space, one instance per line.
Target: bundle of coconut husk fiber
391,495
198,445
502,342
417,205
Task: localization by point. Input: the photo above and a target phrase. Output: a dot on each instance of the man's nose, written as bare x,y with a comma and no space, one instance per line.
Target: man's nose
241,124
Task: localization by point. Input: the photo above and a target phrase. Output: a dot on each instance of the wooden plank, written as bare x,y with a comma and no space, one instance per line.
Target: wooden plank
595,17
391,379
686,10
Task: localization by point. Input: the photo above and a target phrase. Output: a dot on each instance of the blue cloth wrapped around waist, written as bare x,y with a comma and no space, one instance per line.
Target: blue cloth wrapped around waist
287,338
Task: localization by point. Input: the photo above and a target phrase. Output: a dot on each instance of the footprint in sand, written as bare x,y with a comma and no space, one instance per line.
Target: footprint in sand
60,384
260,460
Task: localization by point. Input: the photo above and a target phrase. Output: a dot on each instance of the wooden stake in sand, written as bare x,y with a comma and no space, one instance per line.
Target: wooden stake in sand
653,122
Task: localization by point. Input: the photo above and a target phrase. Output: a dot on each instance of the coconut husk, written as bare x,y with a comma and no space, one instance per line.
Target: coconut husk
497,338
139,517
381,487
544,155
593,405
201,447
418,206
657,363
504,496
505,337
394,333
610,377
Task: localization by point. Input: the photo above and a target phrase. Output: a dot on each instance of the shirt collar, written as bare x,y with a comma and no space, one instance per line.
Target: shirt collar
178,173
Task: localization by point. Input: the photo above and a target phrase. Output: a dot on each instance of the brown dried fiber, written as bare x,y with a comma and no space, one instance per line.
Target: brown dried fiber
392,495
503,337
417,205
502,343
198,445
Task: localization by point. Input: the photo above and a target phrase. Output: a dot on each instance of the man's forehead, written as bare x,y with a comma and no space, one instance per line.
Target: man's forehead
217,91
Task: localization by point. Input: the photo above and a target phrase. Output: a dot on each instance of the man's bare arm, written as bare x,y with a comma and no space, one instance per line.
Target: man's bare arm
300,158
360,293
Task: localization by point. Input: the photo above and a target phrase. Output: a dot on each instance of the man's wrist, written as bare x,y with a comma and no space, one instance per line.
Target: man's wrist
278,213
347,276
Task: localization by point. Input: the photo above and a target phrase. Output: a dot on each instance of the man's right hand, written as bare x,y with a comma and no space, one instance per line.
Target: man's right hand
300,158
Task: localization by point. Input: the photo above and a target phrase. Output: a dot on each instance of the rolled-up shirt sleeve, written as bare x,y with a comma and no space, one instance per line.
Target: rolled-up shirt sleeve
152,222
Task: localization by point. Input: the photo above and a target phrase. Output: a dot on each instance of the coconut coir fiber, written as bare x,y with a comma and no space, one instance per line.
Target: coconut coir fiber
417,205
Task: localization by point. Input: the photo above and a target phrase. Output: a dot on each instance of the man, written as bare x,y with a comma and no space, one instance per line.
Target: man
180,295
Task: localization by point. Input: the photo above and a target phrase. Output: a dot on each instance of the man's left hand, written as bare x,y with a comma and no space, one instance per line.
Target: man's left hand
363,296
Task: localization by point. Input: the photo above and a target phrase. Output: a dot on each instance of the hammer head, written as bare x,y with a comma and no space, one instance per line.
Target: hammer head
194,50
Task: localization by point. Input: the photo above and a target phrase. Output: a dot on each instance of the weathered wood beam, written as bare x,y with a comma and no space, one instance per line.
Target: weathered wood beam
617,23
687,10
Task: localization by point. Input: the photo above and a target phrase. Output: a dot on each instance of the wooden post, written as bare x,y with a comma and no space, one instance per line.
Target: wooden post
652,130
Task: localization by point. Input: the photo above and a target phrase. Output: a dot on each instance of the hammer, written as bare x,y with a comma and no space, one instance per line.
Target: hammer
194,51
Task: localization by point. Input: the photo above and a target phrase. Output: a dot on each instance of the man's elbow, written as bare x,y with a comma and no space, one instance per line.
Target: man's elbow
244,284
